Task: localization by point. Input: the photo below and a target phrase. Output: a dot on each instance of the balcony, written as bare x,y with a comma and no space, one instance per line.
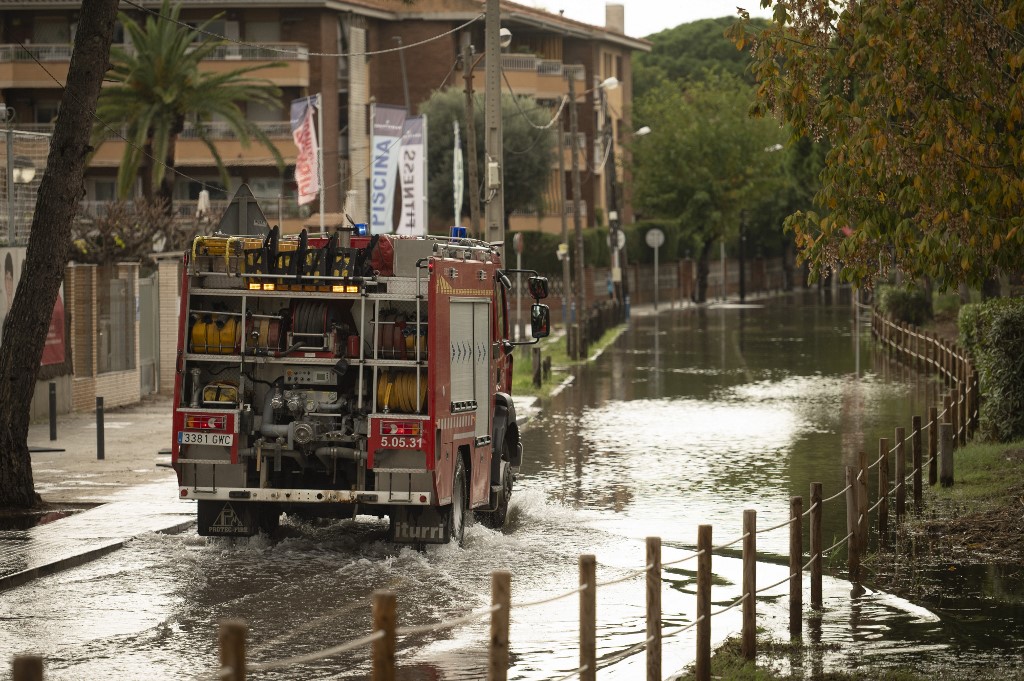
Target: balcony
191,151
539,78
20,66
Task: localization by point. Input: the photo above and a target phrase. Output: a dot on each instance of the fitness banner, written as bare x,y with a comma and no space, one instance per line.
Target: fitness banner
388,122
412,170
457,177
307,163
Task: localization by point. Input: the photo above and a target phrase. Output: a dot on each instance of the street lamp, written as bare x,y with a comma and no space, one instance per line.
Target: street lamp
7,118
609,83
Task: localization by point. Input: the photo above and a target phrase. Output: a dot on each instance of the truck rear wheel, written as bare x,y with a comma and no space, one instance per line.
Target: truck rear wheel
458,510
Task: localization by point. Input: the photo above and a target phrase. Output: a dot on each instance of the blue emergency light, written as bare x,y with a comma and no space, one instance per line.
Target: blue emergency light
361,229
458,233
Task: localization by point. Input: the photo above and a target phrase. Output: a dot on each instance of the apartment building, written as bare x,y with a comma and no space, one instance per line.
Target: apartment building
345,51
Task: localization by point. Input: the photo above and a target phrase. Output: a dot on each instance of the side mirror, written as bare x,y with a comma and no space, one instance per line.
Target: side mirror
538,287
540,319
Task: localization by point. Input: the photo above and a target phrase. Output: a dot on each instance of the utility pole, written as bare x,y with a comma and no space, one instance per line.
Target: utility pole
581,345
495,206
566,274
613,201
474,181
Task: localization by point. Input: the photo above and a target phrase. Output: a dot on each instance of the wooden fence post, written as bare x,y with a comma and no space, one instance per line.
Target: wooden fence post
951,415
231,639
883,489
535,355
384,647
901,473
588,617
749,640
853,542
947,437
501,596
654,608
961,395
862,503
915,453
796,566
933,445
27,668
816,545
703,661
975,401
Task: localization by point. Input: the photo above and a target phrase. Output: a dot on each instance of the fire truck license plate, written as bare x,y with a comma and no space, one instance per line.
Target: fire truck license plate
188,438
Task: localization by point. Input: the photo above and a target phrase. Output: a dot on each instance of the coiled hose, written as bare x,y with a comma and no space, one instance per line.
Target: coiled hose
396,391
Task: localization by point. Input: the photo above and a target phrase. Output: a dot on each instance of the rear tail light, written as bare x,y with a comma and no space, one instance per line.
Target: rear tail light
205,422
401,428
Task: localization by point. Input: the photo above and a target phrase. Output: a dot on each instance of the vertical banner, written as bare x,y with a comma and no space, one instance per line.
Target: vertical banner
307,163
388,122
457,179
412,172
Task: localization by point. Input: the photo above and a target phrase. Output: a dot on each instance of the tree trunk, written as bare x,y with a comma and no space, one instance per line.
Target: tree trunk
703,268
24,331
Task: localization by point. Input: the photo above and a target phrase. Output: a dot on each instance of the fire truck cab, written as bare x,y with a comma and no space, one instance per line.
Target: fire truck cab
347,374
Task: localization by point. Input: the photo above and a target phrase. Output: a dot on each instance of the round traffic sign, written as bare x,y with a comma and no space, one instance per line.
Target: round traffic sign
620,239
517,242
655,238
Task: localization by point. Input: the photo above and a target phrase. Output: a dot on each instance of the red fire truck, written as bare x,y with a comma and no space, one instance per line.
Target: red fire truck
347,374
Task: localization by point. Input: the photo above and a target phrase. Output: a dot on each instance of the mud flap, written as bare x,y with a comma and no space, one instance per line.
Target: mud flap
227,519
418,525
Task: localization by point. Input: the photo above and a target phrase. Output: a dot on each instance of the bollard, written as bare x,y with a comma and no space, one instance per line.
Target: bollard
749,644
883,489
852,544
703,661
796,568
27,668
588,617
53,411
947,438
901,474
816,545
654,608
501,596
546,368
99,429
384,647
915,453
231,640
535,356
933,445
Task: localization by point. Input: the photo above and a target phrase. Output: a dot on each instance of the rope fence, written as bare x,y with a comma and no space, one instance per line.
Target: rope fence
943,438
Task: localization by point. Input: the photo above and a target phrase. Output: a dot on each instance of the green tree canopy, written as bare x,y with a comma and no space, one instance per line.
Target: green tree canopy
705,160
158,87
528,148
688,51
921,101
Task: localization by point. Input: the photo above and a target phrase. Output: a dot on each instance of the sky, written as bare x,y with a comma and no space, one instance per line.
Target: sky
644,17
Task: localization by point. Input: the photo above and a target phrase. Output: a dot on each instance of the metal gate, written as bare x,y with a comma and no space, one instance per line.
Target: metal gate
149,334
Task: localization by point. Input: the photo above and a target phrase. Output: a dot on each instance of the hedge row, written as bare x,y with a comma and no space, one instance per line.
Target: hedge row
993,333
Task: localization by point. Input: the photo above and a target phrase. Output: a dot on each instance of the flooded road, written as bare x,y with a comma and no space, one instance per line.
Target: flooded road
688,419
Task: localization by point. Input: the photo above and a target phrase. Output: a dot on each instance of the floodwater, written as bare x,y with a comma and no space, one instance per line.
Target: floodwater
688,419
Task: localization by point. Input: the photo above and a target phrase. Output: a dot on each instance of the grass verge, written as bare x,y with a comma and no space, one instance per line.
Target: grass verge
555,348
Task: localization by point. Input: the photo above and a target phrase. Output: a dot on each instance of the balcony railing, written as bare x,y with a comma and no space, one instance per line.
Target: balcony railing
543,67
214,131
230,52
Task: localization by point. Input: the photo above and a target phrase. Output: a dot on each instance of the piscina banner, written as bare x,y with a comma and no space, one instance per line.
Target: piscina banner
388,123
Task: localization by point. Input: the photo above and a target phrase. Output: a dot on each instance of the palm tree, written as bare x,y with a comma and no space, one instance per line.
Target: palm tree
159,87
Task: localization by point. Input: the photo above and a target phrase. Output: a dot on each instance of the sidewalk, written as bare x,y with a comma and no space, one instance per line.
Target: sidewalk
127,492
130,492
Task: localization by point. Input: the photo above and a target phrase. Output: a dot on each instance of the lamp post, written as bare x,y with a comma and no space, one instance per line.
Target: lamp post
580,299
7,117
